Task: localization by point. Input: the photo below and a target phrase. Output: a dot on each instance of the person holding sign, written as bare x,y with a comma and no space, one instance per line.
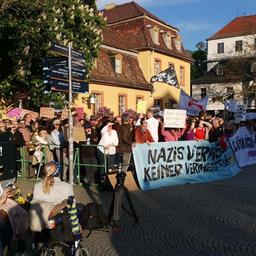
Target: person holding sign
171,134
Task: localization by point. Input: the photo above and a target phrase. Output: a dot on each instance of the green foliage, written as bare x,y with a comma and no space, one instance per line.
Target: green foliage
199,67
26,30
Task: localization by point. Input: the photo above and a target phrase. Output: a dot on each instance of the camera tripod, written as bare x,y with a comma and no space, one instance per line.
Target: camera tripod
117,198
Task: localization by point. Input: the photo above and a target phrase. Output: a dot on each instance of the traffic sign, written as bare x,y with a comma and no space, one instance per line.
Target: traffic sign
62,50
59,85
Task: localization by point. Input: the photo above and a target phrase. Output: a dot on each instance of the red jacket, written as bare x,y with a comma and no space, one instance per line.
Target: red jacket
142,136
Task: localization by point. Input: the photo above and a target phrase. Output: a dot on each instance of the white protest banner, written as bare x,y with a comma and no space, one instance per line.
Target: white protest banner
240,114
231,105
47,112
173,163
192,106
243,143
174,118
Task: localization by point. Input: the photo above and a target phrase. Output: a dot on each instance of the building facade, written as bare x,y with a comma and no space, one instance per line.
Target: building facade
136,46
231,65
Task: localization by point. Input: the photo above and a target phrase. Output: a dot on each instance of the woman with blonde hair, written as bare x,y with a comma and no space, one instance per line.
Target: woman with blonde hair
51,189
49,194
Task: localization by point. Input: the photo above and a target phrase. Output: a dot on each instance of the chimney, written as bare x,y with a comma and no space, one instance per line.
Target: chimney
110,6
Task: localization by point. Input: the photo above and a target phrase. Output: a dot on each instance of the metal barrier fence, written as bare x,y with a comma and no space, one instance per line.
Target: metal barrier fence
78,164
26,162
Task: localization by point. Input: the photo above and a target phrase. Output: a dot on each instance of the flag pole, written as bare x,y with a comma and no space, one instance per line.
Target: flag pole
70,119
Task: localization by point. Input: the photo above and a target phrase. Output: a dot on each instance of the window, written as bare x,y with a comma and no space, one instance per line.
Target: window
230,93
177,43
170,103
168,40
155,35
118,63
182,76
220,48
122,99
239,46
98,102
157,67
138,98
203,93
158,103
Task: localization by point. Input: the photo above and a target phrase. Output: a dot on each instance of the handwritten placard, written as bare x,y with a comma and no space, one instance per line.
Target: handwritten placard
174,118
142,107
47,112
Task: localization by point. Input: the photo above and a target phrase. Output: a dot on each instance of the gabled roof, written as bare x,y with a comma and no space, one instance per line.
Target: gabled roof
129,11
131,77
134,35
234,70
244,25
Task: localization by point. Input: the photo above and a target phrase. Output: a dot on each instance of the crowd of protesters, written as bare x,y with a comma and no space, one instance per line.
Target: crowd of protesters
106,140
43,140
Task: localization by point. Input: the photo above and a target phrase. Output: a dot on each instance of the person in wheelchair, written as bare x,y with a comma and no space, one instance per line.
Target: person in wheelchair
49,197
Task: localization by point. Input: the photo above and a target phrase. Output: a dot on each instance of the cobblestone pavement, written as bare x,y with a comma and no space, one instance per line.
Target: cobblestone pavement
208,219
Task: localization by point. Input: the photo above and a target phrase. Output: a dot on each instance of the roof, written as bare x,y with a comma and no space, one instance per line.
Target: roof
234,70
134,35
128,11
239,26
131,77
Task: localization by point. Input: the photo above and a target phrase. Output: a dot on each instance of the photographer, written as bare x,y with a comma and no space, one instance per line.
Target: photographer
202,129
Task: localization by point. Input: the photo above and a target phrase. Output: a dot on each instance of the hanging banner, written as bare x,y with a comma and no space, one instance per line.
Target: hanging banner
192,106
243,143
172,163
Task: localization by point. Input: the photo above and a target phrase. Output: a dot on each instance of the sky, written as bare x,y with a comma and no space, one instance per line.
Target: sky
196,19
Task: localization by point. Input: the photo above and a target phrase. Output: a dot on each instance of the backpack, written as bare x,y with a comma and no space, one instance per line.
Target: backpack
94,217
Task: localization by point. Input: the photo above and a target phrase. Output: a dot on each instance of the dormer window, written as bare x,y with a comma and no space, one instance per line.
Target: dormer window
177,43
155,34
118,63
168,40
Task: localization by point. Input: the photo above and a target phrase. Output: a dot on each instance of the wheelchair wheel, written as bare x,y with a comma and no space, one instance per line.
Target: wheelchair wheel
81,252
44,251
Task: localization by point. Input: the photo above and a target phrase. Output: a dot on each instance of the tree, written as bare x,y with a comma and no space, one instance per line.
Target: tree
26,30
199,67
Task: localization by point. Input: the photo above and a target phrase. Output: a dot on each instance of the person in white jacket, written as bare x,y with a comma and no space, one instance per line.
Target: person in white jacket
107,147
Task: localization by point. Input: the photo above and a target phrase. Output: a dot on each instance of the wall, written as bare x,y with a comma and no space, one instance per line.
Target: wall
110,97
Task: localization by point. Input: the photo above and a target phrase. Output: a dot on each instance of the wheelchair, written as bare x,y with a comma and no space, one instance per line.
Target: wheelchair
62,238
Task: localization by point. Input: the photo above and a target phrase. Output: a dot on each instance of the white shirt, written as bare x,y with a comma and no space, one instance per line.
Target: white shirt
60,191
108,139
153,124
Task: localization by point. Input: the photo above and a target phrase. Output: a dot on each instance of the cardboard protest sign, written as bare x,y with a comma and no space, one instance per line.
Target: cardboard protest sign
174,118
142,107
78,134
47,112
64,114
